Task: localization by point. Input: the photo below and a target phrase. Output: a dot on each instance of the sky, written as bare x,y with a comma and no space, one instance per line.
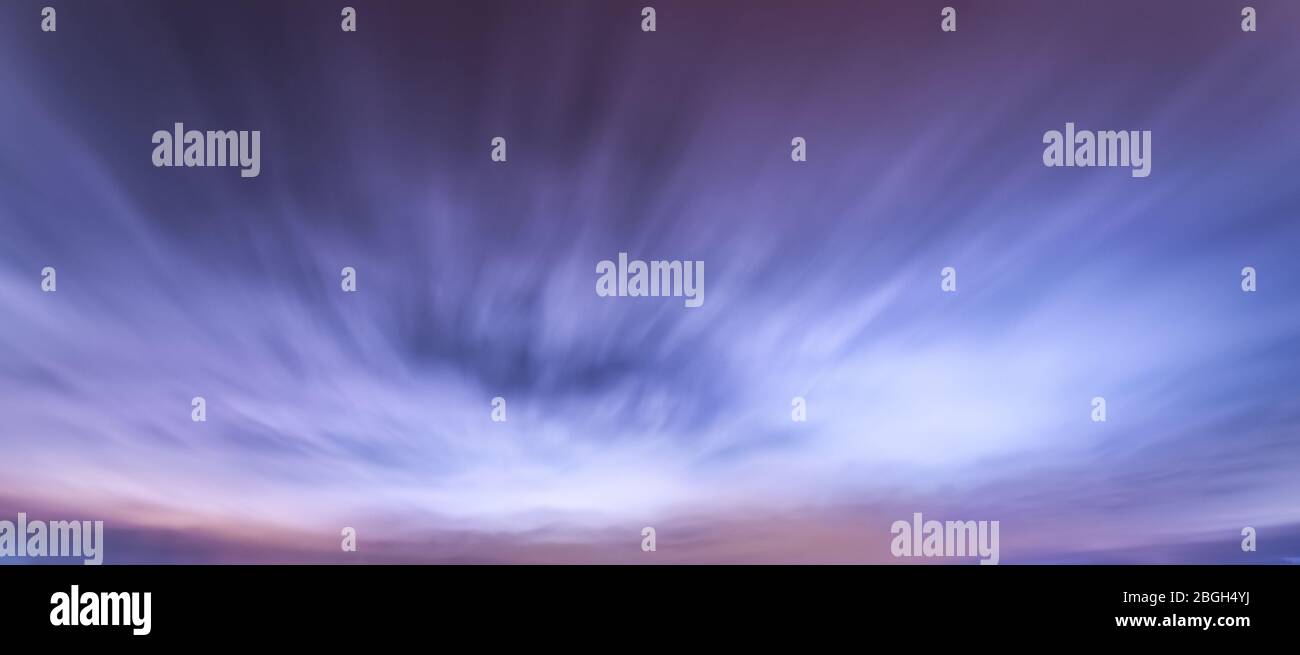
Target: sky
476,279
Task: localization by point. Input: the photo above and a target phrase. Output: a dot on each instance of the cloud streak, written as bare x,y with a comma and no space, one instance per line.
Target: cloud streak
477,280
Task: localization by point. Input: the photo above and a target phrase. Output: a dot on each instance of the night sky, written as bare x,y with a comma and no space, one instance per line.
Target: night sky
475,279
